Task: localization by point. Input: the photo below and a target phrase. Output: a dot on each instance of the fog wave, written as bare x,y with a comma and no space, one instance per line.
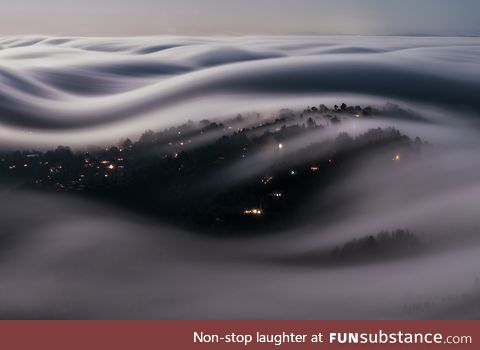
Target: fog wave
72,258
98,89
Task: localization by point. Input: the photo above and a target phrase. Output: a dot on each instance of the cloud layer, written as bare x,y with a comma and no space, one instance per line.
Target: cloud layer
77,259
86,90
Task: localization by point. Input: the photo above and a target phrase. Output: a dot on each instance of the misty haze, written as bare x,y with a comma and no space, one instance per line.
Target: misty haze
260,177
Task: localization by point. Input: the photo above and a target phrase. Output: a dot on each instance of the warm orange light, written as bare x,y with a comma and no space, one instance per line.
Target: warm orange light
256,212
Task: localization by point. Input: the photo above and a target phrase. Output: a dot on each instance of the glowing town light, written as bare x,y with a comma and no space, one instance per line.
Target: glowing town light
293,172
266,179
396,158
280,146
254,212
111,167
277,194
314,168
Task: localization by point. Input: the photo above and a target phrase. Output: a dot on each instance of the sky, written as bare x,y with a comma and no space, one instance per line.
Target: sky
246,17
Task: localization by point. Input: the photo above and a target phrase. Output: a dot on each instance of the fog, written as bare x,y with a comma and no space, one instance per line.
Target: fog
70,90
66,257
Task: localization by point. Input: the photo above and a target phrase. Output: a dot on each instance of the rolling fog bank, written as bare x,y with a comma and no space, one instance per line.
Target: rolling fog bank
63,256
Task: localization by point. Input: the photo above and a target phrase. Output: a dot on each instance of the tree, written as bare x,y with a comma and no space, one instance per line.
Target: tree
147,137
343,141
368,110
127,144
335,120
323,108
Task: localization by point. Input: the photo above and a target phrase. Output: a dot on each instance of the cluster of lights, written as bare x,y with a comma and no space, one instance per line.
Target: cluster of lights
396,158
266,179
56,169
256,212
